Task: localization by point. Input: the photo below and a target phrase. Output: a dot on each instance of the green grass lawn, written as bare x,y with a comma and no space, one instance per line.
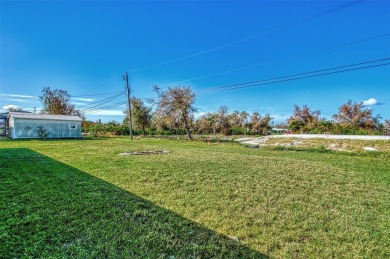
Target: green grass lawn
80,198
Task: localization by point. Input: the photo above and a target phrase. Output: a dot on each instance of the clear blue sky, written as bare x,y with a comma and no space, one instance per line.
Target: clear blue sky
85,47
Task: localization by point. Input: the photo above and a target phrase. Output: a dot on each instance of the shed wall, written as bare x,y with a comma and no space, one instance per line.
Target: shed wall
25,128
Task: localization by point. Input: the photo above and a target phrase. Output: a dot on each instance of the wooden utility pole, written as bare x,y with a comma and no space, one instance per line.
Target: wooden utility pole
126,78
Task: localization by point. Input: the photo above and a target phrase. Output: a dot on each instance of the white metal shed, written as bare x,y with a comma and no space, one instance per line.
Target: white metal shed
25,125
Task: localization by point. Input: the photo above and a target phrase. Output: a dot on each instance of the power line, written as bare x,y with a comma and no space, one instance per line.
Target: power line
94,107
95,94
305,73
107,106
292,79
346,5
104,108
277,59
95,88
287,78
103,100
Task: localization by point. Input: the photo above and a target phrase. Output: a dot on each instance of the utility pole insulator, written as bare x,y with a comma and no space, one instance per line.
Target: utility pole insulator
126,78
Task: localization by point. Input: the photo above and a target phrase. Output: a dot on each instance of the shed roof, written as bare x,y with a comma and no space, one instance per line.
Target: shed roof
33,116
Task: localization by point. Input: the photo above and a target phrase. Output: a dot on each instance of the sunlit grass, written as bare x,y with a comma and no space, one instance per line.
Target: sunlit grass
280,203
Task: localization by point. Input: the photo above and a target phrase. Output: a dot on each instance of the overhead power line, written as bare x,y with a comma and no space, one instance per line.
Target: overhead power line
94,107
104,108
96,94
101,102
346,5
299,76
94,88
276,60
305,73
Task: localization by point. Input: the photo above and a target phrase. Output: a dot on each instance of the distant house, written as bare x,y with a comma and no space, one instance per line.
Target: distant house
26,125
280,130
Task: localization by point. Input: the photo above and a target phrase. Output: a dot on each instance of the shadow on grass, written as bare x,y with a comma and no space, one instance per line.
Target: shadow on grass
49,209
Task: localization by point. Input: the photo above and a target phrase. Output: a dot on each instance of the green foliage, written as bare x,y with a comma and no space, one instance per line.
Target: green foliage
303,119
325,126
236,123
41,132
115,129
175,107
141,115
353,114
107,129
351,119
237,131
169,120
295,125
57,101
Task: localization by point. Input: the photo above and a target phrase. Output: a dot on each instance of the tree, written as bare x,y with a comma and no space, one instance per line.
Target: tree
306,115
223,121
142,114
303,118
212,120
259,123
57,102
386,126
235,119
207,123
244,119
295,125
355,115
14,109
176,105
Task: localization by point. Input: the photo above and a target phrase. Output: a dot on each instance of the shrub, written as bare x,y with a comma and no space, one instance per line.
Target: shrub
237,131
41,132
295,125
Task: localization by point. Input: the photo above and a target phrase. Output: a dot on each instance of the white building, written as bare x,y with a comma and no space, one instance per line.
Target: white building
28,125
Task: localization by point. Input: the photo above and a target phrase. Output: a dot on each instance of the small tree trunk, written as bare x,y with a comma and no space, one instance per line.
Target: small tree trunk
187,128
143,129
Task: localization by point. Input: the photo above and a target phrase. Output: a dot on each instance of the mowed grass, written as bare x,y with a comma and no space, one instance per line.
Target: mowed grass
81,198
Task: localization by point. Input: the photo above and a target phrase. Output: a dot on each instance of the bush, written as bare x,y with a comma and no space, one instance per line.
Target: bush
237,131
295,125
41,132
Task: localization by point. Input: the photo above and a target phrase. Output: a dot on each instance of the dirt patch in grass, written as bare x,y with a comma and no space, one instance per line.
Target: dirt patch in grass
136,153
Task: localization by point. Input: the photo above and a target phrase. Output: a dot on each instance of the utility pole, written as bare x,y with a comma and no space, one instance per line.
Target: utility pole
126,78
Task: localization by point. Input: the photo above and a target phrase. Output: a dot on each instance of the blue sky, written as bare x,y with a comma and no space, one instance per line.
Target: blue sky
85,47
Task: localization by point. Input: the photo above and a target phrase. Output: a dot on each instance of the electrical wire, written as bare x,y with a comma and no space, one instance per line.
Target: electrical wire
103,101
305,73
97,87
276,60
93,107
104,107
265,82
346,5
96,94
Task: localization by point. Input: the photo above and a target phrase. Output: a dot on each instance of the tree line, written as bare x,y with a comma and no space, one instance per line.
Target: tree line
173,112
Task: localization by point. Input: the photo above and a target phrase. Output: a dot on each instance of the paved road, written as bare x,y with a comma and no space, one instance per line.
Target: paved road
330,136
